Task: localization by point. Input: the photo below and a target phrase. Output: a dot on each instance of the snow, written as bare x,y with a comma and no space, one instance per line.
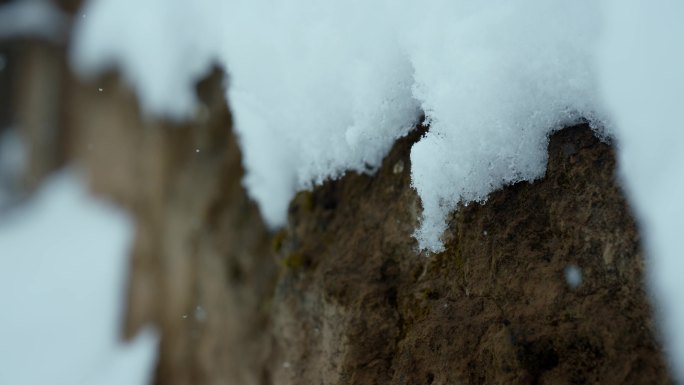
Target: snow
642,74
306,89
32,18
62,276
318,90
494,80
314,94
12,166
160,49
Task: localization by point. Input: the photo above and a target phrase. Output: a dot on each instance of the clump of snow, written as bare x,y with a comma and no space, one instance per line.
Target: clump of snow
642,73
494,79
318,89
162,48
62,277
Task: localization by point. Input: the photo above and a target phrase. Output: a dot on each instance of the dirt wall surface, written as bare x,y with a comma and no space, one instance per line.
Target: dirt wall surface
494,308
341,295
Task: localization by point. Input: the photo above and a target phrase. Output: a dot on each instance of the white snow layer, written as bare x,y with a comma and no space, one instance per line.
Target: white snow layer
62,282
642,73
494,80
161,46
321,88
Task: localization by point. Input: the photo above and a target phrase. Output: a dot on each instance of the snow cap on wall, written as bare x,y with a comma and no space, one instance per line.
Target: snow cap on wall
319,89
494,80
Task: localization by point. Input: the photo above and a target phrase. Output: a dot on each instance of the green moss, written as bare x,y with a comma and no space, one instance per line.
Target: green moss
430,294
277,240
293,261
459,265
458,260
305,201
414,312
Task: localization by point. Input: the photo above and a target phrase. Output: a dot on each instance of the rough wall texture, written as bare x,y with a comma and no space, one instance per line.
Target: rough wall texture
341,296
356,305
